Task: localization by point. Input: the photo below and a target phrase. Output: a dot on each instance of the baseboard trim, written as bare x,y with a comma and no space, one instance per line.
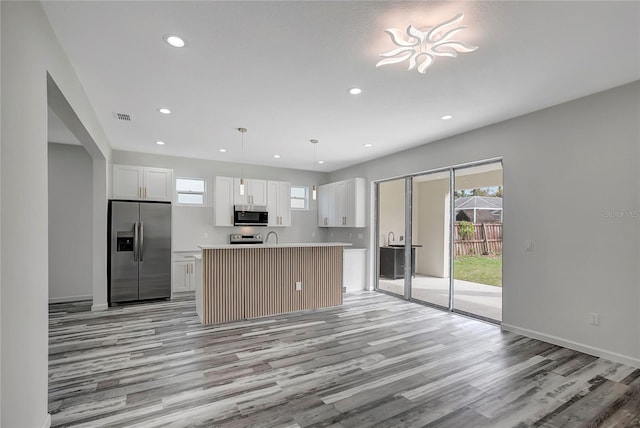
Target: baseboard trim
70,299
100,307
596,352
47,421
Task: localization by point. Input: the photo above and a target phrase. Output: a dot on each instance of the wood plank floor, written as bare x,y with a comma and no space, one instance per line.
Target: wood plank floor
376,361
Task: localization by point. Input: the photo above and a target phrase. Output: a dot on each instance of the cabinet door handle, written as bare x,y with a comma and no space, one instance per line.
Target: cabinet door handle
145,192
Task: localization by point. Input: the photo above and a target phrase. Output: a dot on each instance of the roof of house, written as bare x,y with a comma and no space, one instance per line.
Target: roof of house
479,203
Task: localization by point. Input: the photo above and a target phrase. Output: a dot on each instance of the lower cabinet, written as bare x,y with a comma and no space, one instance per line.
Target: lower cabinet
184,273
392,262
354,265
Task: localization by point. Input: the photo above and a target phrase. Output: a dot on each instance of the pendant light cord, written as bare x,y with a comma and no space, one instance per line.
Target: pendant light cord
242,154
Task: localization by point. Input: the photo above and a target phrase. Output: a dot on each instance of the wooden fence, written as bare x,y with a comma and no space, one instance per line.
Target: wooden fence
486,239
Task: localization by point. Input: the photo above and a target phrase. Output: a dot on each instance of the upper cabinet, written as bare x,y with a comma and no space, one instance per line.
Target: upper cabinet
140,183
255,192
279,203
224,193
342,204
275,195
326,205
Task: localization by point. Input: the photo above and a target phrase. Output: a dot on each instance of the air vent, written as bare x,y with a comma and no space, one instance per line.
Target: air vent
122,116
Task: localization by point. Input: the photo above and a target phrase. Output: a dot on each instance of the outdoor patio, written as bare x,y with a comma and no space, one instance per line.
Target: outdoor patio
479,299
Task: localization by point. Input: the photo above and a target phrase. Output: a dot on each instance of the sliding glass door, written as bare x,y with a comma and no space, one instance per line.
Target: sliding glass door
439,239
391,229
477,266
430,238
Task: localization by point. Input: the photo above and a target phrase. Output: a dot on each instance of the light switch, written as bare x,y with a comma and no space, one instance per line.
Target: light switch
528,245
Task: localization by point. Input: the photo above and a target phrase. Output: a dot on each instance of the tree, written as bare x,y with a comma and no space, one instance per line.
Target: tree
479,192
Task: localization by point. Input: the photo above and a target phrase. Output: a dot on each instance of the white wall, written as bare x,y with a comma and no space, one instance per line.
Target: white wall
571,174
190,224
70,223
29,51
467,179
391,211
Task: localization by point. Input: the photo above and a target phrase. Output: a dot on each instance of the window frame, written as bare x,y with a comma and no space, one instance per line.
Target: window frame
203,193
306,197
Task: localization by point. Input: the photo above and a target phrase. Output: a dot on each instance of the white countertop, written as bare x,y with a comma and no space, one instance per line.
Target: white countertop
283,245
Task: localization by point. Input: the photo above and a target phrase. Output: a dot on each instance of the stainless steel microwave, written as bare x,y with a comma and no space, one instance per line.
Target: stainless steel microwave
250,215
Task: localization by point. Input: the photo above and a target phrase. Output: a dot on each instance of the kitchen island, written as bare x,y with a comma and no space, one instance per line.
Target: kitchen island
249,281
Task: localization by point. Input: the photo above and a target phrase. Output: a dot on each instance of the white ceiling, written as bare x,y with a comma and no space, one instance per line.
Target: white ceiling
282,69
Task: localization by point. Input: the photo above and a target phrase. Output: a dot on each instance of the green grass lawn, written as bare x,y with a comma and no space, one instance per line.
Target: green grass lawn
480,269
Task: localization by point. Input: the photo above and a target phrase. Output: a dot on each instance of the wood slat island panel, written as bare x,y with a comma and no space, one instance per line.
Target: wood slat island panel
244,283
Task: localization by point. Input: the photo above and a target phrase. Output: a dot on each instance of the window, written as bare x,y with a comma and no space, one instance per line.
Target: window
191,191
299,198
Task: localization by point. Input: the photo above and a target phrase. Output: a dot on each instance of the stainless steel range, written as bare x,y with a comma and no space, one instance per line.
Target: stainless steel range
236,238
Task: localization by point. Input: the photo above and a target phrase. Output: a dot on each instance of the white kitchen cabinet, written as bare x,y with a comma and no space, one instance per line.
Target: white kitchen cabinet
326,205
342,204
354,262
350,203
224,197
140,183
182,272
158,184
184,276
279,203
255,192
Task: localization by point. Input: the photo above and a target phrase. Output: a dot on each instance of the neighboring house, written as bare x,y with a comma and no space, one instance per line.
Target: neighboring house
479,209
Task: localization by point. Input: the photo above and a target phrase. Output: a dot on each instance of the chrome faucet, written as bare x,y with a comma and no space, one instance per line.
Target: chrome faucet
389,235
266,240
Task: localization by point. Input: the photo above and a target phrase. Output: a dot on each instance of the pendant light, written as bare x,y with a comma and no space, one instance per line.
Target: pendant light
242,131
314,193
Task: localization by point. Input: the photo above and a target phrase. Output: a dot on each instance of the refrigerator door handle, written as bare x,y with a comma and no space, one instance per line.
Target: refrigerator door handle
135,241
141,241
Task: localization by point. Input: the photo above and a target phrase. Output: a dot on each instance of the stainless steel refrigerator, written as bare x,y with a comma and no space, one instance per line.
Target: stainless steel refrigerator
139,251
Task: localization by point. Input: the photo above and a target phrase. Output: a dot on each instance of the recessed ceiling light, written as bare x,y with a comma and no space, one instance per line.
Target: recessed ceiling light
447,117
355,91
164,110
174,41
222,150
321,162
368,145
276,156
160,143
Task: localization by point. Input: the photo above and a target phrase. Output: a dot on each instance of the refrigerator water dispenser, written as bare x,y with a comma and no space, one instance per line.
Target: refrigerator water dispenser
124,241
